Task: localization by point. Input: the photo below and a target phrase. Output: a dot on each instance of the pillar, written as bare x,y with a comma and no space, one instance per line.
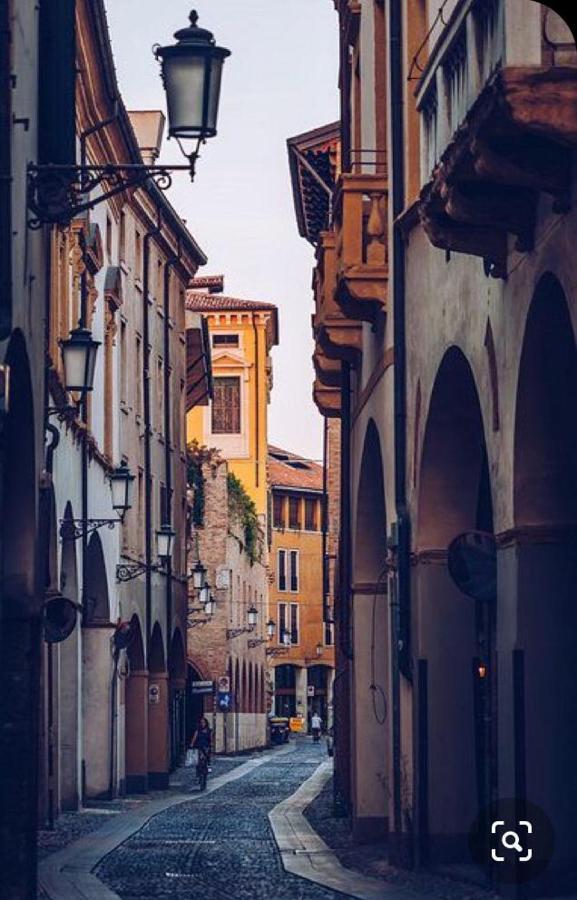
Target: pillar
69,689
158,731
301,699
136,732
96,695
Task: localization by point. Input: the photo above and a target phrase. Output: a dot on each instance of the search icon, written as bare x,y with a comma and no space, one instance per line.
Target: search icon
512,841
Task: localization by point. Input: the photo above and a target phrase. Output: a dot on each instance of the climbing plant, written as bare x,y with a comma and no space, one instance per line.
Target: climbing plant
198,456
241,505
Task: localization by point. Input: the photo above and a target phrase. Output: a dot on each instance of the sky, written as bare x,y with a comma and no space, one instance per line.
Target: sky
281,80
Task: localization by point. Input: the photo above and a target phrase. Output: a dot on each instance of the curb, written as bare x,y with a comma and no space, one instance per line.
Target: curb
304,853
69,874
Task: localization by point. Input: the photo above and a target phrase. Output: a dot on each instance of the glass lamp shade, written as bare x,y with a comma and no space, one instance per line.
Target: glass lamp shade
165,542
270,629
198,574
192,74
122,487
286,638
205,594
319,649
79,357
210,606
252,616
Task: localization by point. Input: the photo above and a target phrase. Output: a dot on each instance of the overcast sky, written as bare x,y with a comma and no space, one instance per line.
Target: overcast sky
281,80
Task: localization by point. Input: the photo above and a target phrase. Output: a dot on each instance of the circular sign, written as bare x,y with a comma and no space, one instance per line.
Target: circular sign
472,562
59,619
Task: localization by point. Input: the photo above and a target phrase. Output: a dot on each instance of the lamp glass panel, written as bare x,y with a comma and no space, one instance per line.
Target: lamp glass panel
164,539
75,365
184,78
252,616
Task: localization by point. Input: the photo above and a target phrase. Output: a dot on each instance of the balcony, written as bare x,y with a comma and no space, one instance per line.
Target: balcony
497,128
327,371
339,337
360,221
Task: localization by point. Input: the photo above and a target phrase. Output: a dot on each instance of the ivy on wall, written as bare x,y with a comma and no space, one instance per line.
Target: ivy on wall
197,457
242,506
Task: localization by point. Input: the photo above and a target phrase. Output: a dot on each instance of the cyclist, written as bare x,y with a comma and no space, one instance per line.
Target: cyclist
202,740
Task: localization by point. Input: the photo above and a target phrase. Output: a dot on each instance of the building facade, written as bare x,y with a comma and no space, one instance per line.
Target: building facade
227,448
304,675
444,259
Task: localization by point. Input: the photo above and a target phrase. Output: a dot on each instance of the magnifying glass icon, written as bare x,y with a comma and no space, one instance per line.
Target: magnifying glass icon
512,841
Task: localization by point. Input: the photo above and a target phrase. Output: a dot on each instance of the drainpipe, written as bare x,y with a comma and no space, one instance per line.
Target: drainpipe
5,174
146,378
345,523
401,596
325,518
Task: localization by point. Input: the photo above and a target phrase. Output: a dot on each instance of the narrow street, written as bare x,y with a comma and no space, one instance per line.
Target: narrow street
221,845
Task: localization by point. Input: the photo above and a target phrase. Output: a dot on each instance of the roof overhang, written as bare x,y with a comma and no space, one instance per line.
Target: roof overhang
198,361
313,161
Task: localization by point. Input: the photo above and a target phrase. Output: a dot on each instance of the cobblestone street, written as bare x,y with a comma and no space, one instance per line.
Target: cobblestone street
219,846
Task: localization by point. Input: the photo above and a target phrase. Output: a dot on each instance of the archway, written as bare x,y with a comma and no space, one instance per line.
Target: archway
454,705
97,668
177,687
69,681
368,711
158,704
136,713
538,617
285,683
20,630
317,691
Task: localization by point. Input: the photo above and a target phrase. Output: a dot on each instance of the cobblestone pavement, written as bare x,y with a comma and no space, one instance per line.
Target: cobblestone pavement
371,859
221,846
68,827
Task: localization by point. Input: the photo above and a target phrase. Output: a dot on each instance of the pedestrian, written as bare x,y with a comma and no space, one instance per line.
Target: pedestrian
202,739
316,725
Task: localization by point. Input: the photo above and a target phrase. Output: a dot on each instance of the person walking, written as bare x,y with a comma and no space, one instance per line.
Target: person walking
202,740
316,725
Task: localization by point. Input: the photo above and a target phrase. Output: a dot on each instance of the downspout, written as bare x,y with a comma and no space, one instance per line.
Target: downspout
325,518
146,378
401,599
345,524
5,174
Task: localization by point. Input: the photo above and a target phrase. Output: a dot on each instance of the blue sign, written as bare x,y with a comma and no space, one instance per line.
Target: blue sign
224,700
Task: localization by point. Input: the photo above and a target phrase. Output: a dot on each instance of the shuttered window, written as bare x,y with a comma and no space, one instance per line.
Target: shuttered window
278,511
281,570
226,406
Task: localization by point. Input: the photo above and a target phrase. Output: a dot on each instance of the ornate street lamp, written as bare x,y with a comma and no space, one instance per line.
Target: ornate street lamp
210,606
252,617
319,650
270,629
198,575
79,358
122,487
165,542
191,74
286,638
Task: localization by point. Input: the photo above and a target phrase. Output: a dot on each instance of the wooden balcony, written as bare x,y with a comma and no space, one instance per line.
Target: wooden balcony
361,217
495,134
327,400
339,337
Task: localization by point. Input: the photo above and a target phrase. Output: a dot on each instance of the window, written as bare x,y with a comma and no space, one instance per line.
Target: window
140,507
329,634
122,237
294,623
281,570
222,340
282,620
108,238
278,511
159,280
160,396
123,364
294,570
294,513
138,256
138,379
226,406
310,515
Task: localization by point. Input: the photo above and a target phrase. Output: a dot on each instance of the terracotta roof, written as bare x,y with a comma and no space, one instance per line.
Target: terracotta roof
289,470
213,283
198,301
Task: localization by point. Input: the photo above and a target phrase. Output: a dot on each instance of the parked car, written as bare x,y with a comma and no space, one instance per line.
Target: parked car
279,730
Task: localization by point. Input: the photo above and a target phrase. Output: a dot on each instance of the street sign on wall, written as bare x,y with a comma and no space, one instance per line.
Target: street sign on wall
224,684
202,687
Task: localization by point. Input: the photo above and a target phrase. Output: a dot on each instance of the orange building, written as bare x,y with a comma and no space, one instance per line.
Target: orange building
304,671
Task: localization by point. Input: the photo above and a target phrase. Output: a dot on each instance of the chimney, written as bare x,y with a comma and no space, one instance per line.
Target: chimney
148,125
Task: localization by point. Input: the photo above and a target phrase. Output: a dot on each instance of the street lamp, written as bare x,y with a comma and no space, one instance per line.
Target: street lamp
198,574
204,594
252,617
210,606
79,359
319,650
286,638
165,542
122,487
192,74
270,629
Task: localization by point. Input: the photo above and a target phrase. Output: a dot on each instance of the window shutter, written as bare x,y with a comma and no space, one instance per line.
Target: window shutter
57,88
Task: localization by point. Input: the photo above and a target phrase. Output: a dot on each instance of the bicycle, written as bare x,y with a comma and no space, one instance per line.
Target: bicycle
202,769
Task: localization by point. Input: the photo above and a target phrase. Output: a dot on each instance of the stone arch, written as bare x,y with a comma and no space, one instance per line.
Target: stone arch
158,712
69,683
136,713
369,763
538,624
97,668
19,612
456,737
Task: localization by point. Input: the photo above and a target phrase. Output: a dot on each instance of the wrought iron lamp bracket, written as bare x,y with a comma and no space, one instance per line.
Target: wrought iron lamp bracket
57,194
129,571
235,632
73,529
194,623
256,642
276,651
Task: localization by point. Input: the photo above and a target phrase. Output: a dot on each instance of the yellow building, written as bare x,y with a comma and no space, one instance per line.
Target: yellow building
242,335
304,673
